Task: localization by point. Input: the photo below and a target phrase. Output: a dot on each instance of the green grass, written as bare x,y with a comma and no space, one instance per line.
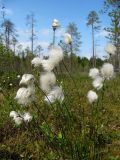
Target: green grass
36,141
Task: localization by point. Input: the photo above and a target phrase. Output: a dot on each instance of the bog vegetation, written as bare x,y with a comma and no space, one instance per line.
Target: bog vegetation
60,106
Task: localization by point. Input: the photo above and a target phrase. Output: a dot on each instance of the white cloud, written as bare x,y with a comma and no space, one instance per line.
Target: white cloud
25,44
23,32
99,51
43,36
102,33
45,32
24,35
85,54
44,44
27,32
60,32
7,11
48,32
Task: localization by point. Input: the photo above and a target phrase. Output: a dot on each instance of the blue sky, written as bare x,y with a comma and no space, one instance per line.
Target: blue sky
65,11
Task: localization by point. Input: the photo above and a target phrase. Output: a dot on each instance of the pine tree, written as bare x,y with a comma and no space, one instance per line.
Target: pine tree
113,10
9,32
93,21
76,36
31,23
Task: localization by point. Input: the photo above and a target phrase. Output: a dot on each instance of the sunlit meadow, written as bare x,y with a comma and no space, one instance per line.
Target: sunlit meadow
59,106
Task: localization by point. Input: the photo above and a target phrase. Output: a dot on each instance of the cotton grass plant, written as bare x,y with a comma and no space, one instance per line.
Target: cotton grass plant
99,77
69,134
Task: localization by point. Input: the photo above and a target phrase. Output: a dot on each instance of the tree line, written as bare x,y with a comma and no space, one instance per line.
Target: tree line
9,35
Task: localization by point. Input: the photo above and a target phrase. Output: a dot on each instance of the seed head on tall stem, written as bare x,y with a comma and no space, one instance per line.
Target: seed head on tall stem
55,25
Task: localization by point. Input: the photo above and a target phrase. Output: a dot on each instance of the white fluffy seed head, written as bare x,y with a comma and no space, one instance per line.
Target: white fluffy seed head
92,96
27,79
18,76
98,82
67,38
47,65
13,114
25,96
93,73
47,81
110,49
55,54
18,120
36,62
55,23
107,71
55,94
27,117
